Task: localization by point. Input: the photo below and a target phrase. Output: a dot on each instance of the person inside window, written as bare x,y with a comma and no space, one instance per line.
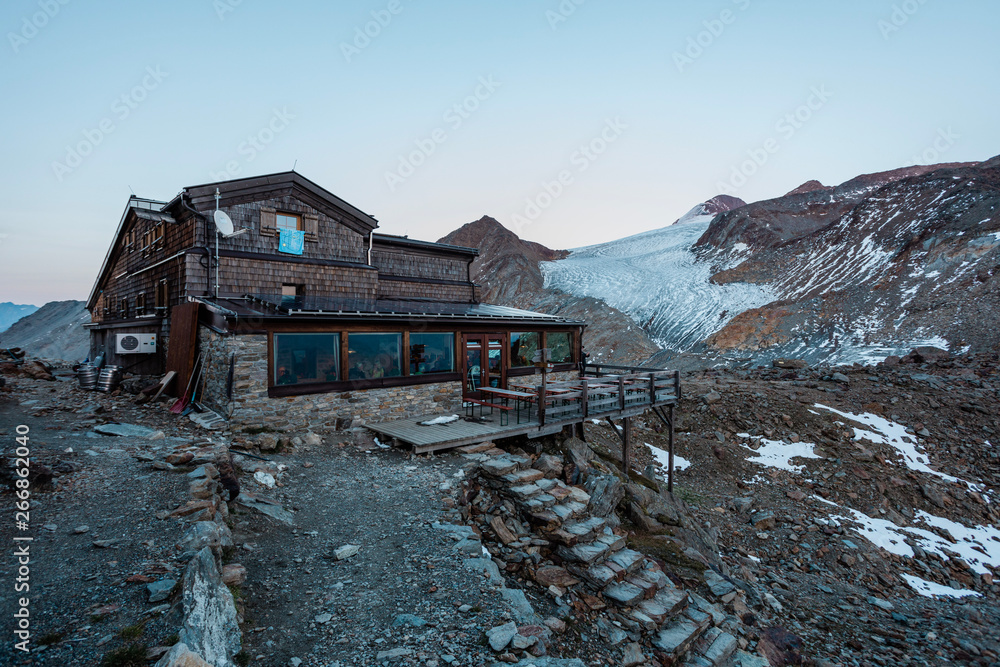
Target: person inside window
285,376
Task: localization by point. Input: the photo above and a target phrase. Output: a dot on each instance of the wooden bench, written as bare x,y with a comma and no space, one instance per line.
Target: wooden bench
470,409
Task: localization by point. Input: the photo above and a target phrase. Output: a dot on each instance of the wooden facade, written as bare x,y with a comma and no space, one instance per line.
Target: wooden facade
347,280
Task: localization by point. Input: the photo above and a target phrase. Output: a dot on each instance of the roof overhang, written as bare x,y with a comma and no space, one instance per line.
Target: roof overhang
243,190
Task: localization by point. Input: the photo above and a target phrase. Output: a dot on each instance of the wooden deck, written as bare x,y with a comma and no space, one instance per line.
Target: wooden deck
458,433
596,395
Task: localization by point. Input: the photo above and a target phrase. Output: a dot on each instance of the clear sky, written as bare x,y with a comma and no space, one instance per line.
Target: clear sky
570,121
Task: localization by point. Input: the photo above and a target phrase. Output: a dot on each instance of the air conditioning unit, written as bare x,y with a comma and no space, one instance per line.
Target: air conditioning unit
132,343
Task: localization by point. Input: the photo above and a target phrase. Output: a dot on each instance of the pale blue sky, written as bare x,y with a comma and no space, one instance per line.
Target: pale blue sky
889,82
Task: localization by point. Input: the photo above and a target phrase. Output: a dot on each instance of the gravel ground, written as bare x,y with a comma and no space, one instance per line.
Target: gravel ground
81,599
302,603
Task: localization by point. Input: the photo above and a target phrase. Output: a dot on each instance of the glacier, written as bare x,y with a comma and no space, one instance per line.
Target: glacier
655,278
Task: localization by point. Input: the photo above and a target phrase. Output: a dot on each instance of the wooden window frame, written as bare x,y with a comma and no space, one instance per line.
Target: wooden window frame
140,304
162,297
299,221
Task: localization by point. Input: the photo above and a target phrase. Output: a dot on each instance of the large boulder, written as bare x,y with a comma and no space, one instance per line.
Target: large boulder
180,655
211,627
606,491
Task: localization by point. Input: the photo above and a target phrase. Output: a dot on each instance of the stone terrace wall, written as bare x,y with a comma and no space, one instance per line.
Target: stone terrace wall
251,405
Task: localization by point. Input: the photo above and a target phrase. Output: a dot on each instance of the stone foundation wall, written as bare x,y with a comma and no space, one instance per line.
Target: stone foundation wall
251,405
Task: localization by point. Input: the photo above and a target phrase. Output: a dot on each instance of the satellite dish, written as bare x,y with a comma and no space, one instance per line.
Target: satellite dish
223,223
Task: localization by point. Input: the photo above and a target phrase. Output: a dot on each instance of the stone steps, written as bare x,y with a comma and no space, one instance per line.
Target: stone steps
713,648
590,556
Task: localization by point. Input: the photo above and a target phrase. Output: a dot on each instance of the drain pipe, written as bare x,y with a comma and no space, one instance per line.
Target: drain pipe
371,234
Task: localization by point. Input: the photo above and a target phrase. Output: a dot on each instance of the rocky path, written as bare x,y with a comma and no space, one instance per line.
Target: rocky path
404,595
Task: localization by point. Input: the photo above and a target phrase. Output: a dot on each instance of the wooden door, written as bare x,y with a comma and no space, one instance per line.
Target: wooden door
484,363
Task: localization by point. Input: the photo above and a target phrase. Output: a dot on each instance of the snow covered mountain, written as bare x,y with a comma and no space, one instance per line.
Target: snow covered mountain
911,261
657,279
875,266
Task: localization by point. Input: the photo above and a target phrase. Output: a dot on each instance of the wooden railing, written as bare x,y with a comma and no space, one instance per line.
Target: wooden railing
599,394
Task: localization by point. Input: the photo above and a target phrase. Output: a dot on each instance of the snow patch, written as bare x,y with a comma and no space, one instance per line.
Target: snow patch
443,419
890,433
978,546
931,589
779,454
663,458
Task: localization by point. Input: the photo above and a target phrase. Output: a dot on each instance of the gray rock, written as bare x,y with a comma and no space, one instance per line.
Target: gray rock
716,646
203,534
126,430
580,453
881,604
408,620
550,466
633,655
545,662
323,618
606,491
266,507
623,593
711,397
486,566
160,590
394,654
80,530
717,584
677,638
211,628
346,551
500,636
523,611
470,546
520,642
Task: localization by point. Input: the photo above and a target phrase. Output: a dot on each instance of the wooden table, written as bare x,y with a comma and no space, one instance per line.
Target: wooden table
506,394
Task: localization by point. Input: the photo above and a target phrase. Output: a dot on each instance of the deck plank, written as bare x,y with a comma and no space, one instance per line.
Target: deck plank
464,432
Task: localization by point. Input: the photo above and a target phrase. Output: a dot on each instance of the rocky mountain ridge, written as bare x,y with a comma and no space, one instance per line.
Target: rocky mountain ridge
508,270
54,331
868,267
12,312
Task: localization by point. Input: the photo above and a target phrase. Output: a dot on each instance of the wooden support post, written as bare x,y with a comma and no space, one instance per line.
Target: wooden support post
621,392
626,438
583,399
652,389
670,452
541,402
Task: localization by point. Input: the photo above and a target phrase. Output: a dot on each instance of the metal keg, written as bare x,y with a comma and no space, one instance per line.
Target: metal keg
109,378
87,374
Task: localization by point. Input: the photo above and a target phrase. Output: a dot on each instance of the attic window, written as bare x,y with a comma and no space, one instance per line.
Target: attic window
140,304
289,221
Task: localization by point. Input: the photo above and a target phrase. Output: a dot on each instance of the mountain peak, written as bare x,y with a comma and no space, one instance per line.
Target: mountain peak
808,186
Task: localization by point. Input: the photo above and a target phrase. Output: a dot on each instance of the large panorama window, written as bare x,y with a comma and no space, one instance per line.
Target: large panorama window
304,358
523,347
432,353
374,355
561,351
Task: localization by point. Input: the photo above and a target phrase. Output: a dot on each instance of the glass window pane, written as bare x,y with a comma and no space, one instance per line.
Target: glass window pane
305,358
559,344
374,355
523,347
285,221
432,353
